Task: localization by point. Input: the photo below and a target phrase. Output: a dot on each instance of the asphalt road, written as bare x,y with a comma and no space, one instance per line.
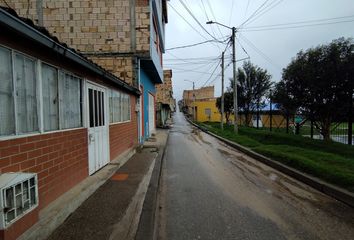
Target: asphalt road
211,191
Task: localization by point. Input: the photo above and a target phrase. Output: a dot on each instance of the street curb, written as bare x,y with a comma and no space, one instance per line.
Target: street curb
148,218
324,187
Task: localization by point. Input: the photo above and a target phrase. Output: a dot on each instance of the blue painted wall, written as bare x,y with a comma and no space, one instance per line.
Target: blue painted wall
149,87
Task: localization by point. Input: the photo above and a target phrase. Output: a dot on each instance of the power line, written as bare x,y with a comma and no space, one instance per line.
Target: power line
187,70
299,22
206,15
196,20
299,26
199,64
217,65
269,7
194,44
262,54
244,50
248,3
231,13
212,13
254,13
187,21
196,58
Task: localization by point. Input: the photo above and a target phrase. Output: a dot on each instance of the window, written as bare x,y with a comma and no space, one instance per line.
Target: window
7,113
19,195
18,94
120,107
61,99
70,101
50,98
19,91
26,94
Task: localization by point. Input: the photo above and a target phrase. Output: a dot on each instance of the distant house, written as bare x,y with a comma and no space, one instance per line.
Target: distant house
164,99
206,110
264,116
197,94
62,118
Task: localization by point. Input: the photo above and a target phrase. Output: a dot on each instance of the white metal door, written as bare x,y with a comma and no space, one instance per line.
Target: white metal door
98,142
151,114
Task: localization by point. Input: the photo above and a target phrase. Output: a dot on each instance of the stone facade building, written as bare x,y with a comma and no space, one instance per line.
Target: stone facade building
166,104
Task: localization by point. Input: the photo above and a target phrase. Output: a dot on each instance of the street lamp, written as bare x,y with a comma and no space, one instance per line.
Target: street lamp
233,38
193,111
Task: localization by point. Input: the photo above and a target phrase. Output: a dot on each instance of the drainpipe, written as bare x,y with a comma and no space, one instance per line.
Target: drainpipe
39,6
132,5
140,103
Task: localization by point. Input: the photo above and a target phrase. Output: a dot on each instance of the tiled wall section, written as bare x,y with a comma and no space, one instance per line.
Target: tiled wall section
94,27
60,159
123,136
119,66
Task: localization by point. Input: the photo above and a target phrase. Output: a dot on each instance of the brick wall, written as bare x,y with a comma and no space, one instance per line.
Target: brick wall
121,67
21,225
164,90
59,159
123,136
95,27
201,93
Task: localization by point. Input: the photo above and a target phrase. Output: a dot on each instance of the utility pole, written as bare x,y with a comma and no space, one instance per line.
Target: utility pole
270,111
194,117
234,77
222,92
233,38
193,96
350,122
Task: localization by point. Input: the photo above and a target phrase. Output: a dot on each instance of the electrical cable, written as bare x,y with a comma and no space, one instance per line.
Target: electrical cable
248,3
232,9
266,9
217,65
193,45
207,18
300,26
299,22
249,43
212,13
196,20
187,22
254,13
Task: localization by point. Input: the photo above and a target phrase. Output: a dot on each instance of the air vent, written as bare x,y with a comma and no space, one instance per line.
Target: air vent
18,196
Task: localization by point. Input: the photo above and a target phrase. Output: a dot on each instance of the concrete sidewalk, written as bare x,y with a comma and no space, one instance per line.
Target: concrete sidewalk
113,211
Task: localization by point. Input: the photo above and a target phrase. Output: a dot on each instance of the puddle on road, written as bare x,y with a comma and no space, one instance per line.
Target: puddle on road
293,206
273,176
296,208
282,182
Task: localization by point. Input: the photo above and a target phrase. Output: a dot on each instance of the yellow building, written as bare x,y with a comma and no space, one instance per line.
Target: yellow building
206,110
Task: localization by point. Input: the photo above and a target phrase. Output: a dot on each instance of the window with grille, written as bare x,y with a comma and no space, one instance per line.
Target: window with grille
19,195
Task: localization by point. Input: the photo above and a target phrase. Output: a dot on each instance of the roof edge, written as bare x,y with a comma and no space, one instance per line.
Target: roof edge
25,29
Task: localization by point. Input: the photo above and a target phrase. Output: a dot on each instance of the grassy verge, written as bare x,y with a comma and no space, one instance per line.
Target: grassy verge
330,161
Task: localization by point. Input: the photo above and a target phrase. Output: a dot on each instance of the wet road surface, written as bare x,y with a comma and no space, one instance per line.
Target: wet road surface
211,191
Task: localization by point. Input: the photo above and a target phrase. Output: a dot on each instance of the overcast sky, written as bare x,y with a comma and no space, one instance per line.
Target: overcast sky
269,48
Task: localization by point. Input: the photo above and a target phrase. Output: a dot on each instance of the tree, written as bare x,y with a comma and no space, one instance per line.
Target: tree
317,83
228,104
253,85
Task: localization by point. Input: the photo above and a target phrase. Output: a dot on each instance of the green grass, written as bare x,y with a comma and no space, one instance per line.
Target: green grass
330,161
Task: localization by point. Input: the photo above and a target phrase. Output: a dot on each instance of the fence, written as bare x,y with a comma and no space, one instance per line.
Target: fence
273,120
